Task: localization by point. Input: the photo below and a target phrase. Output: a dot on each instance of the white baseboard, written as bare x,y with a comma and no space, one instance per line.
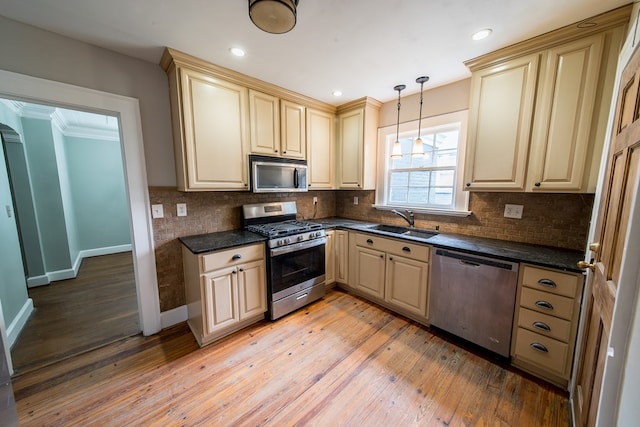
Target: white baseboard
15,327
72,273
36,281
174,316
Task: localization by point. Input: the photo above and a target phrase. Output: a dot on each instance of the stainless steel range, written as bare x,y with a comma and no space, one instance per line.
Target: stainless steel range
295,256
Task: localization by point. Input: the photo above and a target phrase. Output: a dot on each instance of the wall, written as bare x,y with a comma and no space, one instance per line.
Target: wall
208,212
39,53
560,220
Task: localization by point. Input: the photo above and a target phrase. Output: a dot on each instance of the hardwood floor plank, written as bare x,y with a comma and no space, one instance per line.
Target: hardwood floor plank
339,361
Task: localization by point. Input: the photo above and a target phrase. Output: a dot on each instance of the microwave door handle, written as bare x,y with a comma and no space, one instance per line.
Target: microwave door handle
295,177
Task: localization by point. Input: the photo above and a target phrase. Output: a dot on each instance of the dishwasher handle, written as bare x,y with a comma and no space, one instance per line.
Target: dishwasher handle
475,261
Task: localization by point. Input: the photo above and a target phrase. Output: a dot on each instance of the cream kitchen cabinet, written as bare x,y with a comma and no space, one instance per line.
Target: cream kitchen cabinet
320,149
357,140
278,126
546,322
225,290
391,272
538,110
341,249
330,259
210,130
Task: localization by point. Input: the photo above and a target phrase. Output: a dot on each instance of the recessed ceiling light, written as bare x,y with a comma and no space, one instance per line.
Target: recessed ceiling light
482,34
236,51
337,93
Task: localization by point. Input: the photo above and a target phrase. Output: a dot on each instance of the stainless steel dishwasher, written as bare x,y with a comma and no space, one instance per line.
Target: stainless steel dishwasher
473,297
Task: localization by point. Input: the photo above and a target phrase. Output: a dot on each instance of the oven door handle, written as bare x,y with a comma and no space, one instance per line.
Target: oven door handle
297,246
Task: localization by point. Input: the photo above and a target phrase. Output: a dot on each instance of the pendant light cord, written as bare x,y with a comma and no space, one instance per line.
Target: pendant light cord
421,80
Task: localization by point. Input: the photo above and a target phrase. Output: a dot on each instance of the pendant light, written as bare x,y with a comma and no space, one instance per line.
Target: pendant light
273,16
417,149
396,153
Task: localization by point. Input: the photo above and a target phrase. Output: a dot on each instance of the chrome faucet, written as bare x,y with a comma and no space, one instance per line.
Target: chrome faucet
408,217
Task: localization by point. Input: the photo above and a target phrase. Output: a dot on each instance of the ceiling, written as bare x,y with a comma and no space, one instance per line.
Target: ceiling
361,47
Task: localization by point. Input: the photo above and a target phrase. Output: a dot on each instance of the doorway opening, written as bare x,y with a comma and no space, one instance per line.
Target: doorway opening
66,173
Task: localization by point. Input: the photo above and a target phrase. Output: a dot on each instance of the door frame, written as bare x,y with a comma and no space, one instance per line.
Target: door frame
628,295
31,89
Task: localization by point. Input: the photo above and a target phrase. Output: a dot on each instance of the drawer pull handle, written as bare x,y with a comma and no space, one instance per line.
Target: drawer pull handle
406,249
369,241
547,282
236,257
301,297
542,326
539,347
544,304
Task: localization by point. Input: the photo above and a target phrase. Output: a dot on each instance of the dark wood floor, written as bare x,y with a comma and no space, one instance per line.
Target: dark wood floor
339,361
99,306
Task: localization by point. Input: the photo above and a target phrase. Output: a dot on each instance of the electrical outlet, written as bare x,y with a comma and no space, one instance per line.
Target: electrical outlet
181,209
157,211
513,211
315,200
355,200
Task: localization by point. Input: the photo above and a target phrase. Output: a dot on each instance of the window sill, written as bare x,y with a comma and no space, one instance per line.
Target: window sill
428,211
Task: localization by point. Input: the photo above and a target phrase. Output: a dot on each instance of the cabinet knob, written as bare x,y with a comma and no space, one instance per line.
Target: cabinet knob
369,241
233,272
390,258
276,151
537,184
284,152
468,184
381,256
240,270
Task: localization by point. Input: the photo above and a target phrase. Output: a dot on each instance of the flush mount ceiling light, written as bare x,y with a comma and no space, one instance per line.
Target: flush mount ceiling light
418,149
236,51
396,152
482,34
273,16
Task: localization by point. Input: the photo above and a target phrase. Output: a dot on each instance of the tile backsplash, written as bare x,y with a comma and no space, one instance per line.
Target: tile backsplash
560,220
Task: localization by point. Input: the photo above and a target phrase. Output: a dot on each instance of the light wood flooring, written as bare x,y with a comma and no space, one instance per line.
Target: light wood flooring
339,361
99,306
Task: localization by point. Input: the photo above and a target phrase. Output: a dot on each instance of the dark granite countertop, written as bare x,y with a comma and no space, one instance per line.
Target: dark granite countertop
202,243
545,256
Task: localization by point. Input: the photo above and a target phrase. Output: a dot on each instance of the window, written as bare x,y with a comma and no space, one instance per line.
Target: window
431,183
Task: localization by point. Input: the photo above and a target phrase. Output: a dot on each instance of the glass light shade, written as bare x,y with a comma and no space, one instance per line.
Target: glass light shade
273,16
417,149
396,152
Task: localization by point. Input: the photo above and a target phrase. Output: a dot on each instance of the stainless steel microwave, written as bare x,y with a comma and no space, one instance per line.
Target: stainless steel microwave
276,174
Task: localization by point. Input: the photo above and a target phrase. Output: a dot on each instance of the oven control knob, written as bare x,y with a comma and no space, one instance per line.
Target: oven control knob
287,241
300,238
279,242
312,235
318,233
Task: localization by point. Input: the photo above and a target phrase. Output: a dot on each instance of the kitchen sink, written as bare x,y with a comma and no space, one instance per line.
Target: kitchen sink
404,231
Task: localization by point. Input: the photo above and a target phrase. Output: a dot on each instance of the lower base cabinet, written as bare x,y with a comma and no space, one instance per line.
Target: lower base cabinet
225,290
546,322
391,272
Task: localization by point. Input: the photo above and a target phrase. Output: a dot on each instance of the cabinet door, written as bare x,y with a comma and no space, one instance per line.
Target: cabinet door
406,284
341,246
320,145
265,123
350,142
220,299
216,140
500,116
370,266
330,259
564,115
293,130
252,289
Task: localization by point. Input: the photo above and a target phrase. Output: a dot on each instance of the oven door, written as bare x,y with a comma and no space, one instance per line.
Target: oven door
296,267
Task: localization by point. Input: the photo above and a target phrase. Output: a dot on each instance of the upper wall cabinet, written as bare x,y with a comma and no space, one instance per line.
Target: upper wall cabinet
538,110
219,116
320,146
357,139
278,126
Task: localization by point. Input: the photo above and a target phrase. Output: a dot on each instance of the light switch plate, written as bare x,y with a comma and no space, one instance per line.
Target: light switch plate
181,209
157,211
355,200
513,211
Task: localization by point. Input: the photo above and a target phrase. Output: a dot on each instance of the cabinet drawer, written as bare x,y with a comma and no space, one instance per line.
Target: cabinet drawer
550,281
544,302
544,324
231,257
543,351
405,249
